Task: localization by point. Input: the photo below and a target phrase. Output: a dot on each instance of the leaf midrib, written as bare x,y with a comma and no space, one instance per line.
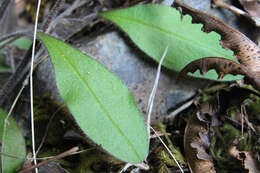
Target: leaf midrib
81,78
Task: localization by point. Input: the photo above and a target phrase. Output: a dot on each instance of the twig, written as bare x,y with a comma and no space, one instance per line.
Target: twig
6,123
64,154
131,3
52,14
242,107
15,79
9,41
73,153
237,11
4,7
180,109
43,158
31,83
250,125
65,13
221,3
169,151
15,34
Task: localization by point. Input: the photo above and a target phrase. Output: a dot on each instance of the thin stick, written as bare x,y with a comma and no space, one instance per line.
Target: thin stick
31,83
6,123
15,34
3,9
66,12
250,125
55,9
169,151
9,41
152,95
43,158
221,3
64,154
242,120
73,153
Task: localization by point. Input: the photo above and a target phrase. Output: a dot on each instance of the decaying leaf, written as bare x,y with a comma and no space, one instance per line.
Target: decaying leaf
196,144
221,65
247,158
245,51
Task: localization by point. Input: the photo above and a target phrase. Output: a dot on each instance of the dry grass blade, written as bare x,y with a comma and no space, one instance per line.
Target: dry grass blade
31,83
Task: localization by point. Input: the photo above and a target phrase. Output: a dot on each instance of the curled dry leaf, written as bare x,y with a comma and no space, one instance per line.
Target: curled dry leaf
247,158
196,143
221,65
245,51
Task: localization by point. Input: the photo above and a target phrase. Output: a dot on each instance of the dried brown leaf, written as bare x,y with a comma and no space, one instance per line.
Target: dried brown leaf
221,65
247,158
245,51
196,144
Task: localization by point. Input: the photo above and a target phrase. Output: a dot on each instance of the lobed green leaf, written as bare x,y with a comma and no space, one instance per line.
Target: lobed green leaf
153,27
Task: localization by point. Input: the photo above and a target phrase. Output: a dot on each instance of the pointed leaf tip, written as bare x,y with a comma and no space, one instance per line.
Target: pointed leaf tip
101,104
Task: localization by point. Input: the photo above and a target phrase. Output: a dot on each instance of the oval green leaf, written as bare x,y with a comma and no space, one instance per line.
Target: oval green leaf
153,27
14,144
101,104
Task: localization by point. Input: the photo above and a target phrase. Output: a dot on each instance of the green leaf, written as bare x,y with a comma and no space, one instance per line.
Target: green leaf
23,43
153,27
14,144
101,104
